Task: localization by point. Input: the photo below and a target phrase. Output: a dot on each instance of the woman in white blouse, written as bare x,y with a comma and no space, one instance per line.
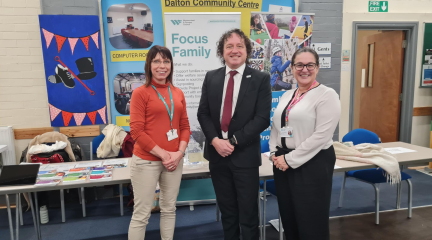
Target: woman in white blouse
302,152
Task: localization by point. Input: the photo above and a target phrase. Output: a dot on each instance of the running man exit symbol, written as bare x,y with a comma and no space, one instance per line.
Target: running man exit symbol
378,6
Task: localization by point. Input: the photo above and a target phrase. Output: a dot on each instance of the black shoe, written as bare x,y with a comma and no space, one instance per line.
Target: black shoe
54,79
65,76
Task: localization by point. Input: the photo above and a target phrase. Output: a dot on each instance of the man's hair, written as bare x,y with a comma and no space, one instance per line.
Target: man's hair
304,50
304,18
221,42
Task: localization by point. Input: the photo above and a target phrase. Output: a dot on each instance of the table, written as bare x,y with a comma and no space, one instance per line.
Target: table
122,175
422,155
140,34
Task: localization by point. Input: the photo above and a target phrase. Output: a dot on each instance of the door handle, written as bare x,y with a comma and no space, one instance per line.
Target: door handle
363,78
370,63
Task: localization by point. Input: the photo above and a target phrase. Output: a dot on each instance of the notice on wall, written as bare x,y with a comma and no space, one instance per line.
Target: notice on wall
192,40
321,48
325,62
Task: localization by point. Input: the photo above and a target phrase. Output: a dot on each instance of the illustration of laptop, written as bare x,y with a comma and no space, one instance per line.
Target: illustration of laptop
19,174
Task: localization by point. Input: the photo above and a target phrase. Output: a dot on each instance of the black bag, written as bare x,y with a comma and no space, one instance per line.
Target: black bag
77,151
61,152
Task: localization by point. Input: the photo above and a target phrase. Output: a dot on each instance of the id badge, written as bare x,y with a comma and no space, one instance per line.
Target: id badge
286,132
172,134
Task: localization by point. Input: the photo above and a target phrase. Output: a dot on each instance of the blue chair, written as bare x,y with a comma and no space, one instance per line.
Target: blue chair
372,176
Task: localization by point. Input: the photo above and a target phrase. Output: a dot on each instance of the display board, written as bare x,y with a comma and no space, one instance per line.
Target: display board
74,73
132,28
426,74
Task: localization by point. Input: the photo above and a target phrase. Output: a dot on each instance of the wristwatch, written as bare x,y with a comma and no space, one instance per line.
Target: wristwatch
232,141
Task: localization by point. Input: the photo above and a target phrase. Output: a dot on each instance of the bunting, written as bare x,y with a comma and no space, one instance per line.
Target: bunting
72,41
85,40
66,117
102,114
53,112
78,117
92,116
95,37
48,37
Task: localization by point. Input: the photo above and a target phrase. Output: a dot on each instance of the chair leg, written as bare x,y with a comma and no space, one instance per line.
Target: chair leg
398,197
409,198
376,187
342,191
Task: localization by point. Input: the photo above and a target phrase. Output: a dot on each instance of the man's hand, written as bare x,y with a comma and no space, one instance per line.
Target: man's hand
279,162
223,147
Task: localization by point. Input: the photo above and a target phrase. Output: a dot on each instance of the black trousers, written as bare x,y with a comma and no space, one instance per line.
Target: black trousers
304,197
237,196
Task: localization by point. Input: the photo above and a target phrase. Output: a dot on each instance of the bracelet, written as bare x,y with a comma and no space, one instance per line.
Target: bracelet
182,152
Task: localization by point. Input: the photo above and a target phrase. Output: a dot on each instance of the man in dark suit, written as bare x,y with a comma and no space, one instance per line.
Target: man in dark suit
234,109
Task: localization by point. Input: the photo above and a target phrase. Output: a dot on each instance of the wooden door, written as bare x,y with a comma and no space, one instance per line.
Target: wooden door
381,86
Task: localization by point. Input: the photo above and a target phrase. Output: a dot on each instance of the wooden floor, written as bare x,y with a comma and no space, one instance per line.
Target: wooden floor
393,226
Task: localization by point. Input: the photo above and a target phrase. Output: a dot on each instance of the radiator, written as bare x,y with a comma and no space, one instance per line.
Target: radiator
7,138
116,30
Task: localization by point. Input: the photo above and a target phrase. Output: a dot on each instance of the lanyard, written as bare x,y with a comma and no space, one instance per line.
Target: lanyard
295,101
171,114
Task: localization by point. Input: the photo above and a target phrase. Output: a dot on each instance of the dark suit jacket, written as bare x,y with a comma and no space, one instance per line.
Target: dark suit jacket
250,118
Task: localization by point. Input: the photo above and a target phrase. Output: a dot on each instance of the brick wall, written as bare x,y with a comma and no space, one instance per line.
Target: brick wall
23,97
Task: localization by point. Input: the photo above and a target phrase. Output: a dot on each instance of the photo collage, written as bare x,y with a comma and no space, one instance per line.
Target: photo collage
275,38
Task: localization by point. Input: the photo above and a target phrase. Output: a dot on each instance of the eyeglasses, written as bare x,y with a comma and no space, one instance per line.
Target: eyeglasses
158,62
309,66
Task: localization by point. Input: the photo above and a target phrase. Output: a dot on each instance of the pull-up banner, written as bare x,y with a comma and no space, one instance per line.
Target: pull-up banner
192,39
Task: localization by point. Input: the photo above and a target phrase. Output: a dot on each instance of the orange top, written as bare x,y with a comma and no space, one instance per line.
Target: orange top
150,122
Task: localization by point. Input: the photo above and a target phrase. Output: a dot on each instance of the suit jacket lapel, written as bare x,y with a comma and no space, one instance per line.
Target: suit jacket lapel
219,85
245,82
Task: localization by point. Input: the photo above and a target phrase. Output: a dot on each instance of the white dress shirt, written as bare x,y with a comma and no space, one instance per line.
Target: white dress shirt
237,83
313,119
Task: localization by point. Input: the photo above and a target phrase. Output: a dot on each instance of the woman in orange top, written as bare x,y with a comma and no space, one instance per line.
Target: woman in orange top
160,127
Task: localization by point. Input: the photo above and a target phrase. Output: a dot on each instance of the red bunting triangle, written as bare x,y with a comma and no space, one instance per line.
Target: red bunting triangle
60,40
85,40
66,117
92,116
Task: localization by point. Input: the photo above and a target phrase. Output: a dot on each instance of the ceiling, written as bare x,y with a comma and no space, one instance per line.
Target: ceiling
136,8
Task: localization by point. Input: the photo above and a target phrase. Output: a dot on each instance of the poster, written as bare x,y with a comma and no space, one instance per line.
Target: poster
134,27
71,47
193,46
275,38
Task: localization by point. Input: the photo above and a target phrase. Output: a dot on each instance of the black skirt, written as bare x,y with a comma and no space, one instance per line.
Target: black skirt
304,196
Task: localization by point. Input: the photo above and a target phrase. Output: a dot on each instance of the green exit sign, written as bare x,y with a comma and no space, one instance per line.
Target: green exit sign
378,6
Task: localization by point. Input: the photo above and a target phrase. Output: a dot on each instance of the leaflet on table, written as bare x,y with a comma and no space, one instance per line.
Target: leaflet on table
51,176
101,172
43,182
116,163
100,177
63,167
89,164
82,169
397,150
75,178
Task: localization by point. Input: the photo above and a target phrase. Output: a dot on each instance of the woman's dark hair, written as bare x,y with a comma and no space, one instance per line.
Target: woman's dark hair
253,19
165,54
221,42
305,50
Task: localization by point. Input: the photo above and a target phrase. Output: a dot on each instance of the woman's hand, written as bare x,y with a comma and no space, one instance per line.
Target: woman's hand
175,157
280,163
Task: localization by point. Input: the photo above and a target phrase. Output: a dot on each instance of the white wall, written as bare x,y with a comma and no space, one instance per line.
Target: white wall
120,20
415,10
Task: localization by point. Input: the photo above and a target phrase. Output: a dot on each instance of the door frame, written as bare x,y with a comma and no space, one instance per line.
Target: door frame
408,79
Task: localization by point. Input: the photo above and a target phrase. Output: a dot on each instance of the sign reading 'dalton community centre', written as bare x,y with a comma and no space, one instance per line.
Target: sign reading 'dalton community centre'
378,6
212,3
